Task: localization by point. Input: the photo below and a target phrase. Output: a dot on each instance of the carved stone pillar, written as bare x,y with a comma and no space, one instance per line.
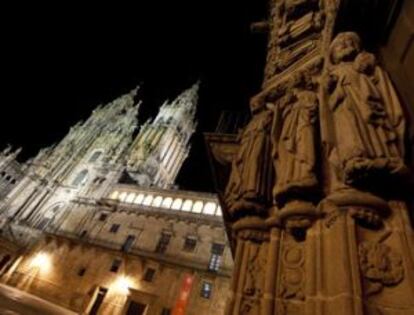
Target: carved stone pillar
248,286
314,201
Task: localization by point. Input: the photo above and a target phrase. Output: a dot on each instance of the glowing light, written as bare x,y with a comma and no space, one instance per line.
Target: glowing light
122,285
198,206
41,261
114,195
209,208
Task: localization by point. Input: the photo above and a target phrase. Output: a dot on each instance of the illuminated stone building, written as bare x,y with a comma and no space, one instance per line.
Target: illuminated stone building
95,224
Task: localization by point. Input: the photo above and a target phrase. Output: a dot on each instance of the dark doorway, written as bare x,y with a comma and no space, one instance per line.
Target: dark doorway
135,308
98,301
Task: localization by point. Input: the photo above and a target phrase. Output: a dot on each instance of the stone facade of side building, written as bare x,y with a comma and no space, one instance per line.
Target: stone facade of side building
96,225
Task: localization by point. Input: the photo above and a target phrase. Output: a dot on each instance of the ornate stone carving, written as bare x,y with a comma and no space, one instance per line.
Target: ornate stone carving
364,124
294,135
380,265
293,276
249,186
294,30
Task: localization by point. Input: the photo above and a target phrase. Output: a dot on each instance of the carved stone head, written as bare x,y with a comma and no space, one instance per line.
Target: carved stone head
345,47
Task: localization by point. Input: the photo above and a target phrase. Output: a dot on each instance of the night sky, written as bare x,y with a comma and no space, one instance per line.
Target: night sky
59,63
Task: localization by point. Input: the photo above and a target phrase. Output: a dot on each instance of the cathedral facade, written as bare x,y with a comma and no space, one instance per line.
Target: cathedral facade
96,225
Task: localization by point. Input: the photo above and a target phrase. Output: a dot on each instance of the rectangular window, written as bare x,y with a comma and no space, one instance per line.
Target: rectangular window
128,243
81,272
83,234
206,288
215,258
114,228
163,243
166,311
149,275
103,216
190,244
115,265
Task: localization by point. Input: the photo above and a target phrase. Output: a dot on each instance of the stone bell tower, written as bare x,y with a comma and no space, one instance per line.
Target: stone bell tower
162,145
316,199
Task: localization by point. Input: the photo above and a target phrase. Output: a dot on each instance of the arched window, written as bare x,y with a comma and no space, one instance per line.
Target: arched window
187,205
130,198
81,178
49,214
122,196
157,201
209,208
114,195
177,204
95,156
148,200
139,199
166,203
198,206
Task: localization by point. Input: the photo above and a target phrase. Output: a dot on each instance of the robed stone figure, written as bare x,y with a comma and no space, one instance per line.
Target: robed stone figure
294,134
363,123
249,189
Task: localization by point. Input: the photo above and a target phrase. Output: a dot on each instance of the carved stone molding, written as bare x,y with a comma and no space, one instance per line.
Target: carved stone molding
380,265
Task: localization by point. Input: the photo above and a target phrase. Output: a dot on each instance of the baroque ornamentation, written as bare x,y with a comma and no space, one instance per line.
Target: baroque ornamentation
380,265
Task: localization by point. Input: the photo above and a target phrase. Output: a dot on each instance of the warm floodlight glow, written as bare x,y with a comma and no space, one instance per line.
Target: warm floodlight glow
41,261
122,284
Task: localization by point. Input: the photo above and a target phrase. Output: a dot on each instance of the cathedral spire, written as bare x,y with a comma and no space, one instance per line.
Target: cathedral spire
162,145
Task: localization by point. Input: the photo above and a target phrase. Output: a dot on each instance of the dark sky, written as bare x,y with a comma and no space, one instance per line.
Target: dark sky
58,63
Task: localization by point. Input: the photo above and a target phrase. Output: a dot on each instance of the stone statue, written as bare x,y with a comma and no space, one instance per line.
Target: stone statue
294,149
365,126
249,186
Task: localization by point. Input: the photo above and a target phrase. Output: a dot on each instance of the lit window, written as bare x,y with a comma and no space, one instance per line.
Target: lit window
177,204
209,208
130,198
139,199
187,205
198,206
149,275
122,196
166,203
215,258
206,288
148,200
114,195
219,212
157,201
